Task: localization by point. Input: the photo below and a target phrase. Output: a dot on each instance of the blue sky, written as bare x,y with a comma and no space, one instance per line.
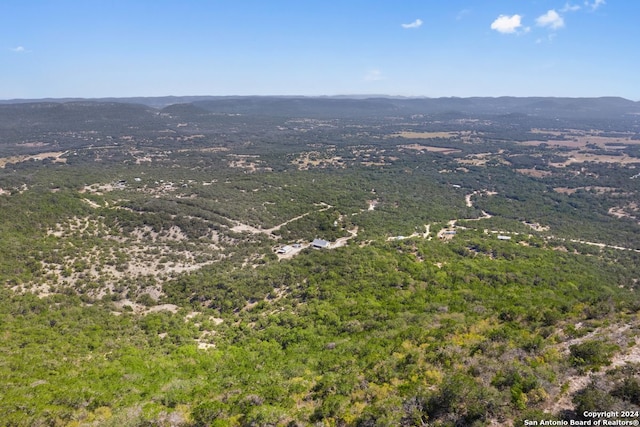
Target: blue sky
434,48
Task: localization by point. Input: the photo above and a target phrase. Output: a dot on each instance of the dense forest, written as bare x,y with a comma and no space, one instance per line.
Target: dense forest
158,265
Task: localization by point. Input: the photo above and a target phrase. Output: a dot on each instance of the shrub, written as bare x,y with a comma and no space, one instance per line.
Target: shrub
592,354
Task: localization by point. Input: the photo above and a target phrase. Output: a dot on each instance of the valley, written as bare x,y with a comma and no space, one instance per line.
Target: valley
482,264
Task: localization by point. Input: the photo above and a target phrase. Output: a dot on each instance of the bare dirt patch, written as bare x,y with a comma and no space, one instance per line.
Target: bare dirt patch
576,382
549,132
98,189
565,190
362,155
111,255
317,159
597,189
419,147
582,157
204,150
250,163
55,155
481,159
578,139
536,226
629,211
141,309
33,144
342,241
426,135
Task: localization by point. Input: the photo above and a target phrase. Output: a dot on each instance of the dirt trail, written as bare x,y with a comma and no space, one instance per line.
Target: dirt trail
424,235
603,245
342,241
427,232
467,199
240,227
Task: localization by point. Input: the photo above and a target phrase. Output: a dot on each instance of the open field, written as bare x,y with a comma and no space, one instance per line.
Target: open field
580,139
418,147
427,135
581,157
55,155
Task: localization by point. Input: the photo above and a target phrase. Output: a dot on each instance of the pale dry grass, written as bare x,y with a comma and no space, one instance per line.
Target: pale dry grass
55,155
419,147
579,139
549,131
597,189
481,159
250,163
204,150
426,135
581,157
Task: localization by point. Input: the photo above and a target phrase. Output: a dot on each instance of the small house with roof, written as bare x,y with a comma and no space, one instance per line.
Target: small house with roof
319,244
285,249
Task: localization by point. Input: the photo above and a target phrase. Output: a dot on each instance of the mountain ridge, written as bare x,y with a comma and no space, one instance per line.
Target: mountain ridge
379,105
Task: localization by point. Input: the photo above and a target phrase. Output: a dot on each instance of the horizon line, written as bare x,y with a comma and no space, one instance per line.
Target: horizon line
343,96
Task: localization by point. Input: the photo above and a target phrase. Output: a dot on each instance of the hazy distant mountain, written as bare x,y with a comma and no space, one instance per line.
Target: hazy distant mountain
154,102
79,115
318,107
609,107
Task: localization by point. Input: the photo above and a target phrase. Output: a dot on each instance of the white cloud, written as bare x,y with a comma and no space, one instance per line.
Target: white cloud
551,19
415,24
568,7
595,4
373,76
507,24
19,49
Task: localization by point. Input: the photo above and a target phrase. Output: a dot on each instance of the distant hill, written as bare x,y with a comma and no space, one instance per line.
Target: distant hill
304,107
359,106
77,116
154,102
73,124
51,114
